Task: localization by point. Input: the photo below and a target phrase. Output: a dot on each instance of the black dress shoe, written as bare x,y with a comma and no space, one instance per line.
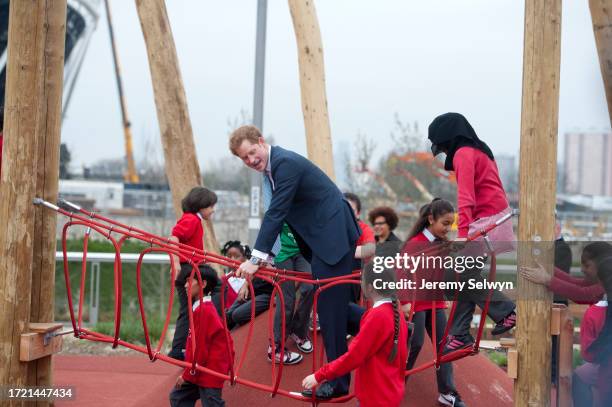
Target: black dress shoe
324,392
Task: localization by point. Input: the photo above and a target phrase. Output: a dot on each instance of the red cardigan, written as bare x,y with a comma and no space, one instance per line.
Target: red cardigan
480,192
590,328
378,383
576,289
211,347
423,300
189,231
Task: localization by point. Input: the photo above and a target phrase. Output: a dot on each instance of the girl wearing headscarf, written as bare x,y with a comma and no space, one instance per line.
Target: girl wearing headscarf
481,200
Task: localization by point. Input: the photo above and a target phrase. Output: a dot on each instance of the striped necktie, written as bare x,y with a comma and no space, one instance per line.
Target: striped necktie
267,198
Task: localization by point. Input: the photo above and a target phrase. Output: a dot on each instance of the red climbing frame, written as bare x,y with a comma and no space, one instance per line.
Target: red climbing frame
107,227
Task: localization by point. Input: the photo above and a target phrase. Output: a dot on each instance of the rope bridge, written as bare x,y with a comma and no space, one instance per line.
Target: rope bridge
117,233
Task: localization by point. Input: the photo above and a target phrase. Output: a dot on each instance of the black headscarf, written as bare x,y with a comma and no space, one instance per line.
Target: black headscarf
450,131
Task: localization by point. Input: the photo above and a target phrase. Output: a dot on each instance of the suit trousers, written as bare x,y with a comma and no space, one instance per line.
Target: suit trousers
333,309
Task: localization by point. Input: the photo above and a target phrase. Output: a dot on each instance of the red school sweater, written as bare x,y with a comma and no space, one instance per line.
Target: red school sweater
422,302
189,230
578,290
592,323
480,192
211,347
378,383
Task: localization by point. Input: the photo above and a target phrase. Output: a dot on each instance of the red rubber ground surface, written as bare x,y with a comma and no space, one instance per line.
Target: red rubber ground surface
134,381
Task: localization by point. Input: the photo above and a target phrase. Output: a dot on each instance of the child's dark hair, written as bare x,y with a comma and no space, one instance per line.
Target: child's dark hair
387,275
353,198
198,198
596,251
244,249
209,275
436,208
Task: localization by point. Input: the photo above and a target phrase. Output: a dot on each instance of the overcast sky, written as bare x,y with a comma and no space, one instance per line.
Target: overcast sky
411,57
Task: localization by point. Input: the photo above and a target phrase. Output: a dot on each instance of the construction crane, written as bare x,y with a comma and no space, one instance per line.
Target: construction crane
130,174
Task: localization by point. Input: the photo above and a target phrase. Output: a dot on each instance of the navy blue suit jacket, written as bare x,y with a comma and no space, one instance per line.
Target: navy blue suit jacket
312,205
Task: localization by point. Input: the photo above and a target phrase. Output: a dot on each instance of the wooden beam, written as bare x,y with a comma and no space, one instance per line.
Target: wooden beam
566,358
31,60
601,16
538,158
555,321
512,360
40,342
181,162
47,184
312,84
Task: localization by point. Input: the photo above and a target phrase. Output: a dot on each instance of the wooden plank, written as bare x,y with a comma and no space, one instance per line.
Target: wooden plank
32,346
30,116
601,16
182,166
312,84
507,342
566,359
555,321
512,369
47,183
537,197
44,327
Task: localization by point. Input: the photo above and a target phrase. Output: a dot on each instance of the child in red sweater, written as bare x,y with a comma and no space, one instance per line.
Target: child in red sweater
481,200
207,345
585,376
433,225
379,350
587,290
601,348
198,205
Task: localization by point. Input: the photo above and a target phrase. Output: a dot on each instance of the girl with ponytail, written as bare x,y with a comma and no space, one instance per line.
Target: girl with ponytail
433,225
379,351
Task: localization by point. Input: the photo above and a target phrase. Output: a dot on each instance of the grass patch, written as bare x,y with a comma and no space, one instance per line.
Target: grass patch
500,359
132,331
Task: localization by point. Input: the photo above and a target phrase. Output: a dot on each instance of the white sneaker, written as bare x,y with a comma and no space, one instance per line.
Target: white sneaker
289,358
304,345
451,399
310,324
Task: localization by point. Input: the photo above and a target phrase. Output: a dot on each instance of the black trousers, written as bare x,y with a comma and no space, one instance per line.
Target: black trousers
467,299
189,393
422,322
182,320
240,311
333,309
296,316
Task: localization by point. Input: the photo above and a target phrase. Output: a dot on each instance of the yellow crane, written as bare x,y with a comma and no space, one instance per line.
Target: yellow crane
130,175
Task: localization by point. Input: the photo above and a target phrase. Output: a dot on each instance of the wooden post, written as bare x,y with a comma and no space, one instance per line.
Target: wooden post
601,16
47,183
538,158
312,83
32,119
181,162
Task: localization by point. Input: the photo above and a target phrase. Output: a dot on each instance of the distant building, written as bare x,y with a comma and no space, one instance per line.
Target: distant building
506,164
588,163
102,194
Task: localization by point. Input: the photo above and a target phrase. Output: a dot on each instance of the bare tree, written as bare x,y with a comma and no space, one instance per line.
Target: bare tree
406,138
364,147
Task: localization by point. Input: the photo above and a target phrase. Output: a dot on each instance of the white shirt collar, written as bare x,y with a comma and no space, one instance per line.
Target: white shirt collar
197,303
429,235
381,302
199,215
269,165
